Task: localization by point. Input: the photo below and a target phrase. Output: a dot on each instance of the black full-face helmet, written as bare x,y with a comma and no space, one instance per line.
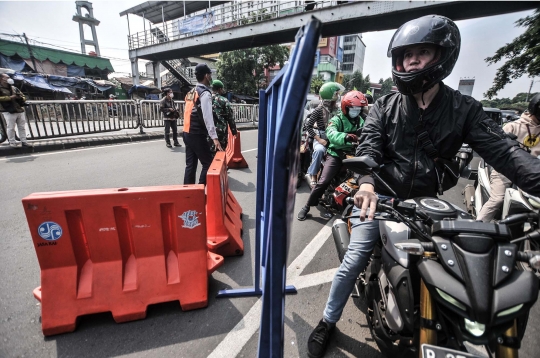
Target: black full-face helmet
534,106
431,29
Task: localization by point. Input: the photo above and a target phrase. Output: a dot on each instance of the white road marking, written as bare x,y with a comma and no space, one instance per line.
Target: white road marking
75,150
89,148
237,338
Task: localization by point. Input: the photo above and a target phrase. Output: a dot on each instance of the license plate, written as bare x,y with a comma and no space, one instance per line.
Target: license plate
429,351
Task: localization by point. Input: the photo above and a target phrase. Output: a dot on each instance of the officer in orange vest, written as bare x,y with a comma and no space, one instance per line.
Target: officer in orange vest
198,124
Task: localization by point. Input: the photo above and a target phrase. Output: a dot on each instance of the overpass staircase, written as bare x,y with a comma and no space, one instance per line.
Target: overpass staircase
178,68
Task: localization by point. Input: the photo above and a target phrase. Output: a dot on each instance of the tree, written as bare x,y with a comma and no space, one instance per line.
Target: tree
518,102
386,88
523,55
356,80
316,83
521,97
242,71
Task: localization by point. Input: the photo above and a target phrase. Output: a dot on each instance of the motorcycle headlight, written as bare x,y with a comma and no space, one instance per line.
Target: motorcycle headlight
451,299
475,328
510,310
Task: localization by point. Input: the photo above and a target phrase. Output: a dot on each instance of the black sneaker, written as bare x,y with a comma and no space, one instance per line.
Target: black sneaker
168,145
318,339
302,215
27,145
177,144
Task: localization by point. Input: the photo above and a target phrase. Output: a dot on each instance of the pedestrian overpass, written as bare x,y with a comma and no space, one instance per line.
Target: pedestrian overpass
193,28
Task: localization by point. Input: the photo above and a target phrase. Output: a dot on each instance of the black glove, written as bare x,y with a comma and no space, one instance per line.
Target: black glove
351,138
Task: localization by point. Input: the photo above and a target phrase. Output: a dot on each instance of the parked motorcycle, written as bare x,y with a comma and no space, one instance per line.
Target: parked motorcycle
440,284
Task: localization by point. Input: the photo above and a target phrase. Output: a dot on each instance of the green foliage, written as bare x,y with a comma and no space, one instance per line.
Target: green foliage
518,102
316,83
522,54
522,97
386,88
356,81
255,16
242,71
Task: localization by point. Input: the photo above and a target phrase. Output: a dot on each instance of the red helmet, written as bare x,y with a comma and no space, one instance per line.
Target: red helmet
353,99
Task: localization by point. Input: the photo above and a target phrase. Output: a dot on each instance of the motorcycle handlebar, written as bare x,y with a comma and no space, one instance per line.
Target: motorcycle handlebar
518,218
381,207
524,256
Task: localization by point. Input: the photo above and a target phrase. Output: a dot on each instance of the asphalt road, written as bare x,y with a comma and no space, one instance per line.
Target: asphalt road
227,327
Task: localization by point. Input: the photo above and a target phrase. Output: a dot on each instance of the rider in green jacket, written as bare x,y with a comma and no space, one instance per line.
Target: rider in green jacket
342,135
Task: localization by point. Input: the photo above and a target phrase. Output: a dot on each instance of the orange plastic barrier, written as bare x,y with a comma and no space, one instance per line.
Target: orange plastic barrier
235,159
119,250
223,213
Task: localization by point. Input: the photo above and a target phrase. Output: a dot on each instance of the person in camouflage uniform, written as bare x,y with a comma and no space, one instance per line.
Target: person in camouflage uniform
223,115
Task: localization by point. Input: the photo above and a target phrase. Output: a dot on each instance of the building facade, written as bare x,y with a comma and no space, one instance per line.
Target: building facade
354,51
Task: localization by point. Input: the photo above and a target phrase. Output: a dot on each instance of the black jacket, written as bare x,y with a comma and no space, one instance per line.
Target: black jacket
451,119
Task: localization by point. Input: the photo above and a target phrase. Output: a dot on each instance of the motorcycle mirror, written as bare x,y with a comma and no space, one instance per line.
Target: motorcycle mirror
412,247
361,165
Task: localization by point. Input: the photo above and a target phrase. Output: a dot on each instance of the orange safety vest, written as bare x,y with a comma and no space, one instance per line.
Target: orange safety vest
193,117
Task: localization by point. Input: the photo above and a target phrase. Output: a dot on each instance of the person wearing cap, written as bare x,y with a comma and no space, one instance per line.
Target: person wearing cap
223,116
113,110
198,124
11,105
170,115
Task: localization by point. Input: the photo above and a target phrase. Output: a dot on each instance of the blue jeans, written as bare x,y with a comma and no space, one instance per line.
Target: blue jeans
364,236
319,151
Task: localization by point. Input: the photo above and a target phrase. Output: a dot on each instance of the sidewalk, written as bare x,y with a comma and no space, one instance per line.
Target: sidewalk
89,140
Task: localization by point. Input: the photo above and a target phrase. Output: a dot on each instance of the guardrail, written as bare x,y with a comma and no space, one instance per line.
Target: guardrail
54,119
225,16
151,116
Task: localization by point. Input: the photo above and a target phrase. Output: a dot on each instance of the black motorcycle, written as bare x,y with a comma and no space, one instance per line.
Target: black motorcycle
440,284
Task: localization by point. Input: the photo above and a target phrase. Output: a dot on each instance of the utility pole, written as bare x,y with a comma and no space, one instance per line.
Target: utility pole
530,88
30,52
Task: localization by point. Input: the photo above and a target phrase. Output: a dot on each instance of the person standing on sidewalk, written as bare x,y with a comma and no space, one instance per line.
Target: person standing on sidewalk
198,124
170,115
11,101
223,117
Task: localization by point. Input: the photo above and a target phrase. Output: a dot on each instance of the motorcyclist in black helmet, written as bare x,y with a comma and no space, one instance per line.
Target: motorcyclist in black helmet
415,133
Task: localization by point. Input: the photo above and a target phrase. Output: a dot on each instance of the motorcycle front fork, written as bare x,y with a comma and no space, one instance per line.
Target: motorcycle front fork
429,335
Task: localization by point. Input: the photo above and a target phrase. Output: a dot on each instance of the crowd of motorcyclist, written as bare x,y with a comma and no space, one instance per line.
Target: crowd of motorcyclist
413,135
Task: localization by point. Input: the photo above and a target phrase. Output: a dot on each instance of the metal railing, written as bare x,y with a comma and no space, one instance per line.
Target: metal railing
56,119
49,119
151,116
225,16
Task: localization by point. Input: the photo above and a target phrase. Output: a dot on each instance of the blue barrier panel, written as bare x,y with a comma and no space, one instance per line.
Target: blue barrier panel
284,100
270,101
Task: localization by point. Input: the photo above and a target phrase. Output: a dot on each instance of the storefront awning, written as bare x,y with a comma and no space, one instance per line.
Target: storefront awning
10,48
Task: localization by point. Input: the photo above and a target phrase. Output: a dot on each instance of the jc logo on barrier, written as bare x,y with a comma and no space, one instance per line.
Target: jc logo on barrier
50,231
190,219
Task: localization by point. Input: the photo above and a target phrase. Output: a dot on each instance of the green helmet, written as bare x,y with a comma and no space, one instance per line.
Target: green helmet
217,84
330,91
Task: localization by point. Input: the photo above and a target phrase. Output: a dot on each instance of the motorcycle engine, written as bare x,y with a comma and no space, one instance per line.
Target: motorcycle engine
436,208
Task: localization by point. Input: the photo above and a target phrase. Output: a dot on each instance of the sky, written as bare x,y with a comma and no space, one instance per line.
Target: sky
50,22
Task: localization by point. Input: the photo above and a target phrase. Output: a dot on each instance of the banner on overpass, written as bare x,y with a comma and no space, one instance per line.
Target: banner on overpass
196,24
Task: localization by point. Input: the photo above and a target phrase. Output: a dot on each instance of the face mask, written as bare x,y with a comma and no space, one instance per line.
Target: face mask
171,95
353,113
10,81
